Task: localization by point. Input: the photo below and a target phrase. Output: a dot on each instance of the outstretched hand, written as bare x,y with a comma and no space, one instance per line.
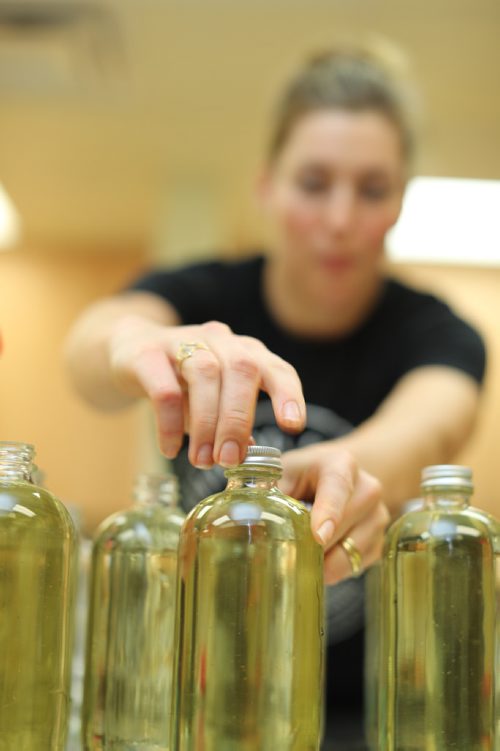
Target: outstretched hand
211,394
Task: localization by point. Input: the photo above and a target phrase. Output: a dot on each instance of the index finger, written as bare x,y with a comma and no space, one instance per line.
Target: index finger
281,382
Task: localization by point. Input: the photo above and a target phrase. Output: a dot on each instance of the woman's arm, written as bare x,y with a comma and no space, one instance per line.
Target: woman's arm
125,348
425,420
89,345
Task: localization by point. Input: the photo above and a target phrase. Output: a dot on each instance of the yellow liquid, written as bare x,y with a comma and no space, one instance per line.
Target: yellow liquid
250,627
130,638
37,558
439,585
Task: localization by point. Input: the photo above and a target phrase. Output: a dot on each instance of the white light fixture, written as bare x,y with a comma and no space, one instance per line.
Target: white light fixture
447,220
10,223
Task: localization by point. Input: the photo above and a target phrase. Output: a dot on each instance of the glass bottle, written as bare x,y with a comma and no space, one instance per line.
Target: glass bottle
438,641
249,619
373,646
37,569
130,632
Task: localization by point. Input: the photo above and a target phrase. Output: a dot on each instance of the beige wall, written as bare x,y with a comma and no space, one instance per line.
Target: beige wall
89,458
475,293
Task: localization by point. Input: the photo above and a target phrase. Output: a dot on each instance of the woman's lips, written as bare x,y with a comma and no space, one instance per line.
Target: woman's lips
336,263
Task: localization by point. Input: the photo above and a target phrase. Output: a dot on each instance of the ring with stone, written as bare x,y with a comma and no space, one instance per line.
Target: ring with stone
187,349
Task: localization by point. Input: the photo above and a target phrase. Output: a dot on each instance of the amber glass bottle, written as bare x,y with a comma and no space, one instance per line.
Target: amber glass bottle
249,619
130,632
37,570
438,622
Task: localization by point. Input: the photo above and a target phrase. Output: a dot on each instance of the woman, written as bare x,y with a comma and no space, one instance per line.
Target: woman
390,375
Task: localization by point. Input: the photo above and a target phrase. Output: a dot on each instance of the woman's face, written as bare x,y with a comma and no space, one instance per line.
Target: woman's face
331,194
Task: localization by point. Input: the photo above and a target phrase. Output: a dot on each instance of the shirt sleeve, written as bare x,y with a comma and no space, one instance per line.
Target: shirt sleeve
439,337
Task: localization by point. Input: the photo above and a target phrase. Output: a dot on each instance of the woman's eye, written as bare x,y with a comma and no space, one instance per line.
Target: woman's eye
374,192
312,184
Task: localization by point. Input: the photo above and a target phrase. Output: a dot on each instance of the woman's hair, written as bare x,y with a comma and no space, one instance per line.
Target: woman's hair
345,79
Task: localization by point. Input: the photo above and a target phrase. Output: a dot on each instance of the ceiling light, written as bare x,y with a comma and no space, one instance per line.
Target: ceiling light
447,220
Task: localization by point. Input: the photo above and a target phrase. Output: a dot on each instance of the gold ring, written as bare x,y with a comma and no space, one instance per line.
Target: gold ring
353,554
187,349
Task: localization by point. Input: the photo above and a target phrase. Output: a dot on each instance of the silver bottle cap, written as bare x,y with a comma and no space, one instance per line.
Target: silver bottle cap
447,476
263,456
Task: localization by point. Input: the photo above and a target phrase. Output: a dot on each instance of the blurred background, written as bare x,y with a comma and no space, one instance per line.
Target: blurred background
131,133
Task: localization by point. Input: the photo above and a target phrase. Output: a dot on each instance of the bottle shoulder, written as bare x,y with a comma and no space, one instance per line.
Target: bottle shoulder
22,504
250,506
439,522
152,526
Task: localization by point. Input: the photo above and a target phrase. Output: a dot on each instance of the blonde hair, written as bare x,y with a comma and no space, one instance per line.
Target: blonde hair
348,78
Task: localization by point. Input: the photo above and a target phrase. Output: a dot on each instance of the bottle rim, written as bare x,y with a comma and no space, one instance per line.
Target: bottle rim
447,476
262,456
156,487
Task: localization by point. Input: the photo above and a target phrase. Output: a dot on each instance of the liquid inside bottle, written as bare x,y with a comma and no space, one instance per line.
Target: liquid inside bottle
250,619
130,634
37,569
438,595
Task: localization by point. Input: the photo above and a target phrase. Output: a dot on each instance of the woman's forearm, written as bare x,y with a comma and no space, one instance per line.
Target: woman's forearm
426,420
87,349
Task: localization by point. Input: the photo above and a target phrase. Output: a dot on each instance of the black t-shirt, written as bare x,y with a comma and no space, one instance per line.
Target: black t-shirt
344,379
350,375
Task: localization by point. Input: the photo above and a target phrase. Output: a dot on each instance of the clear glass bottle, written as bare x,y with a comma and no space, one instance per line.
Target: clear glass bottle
438,641
373,635
130,632
249,663
37,570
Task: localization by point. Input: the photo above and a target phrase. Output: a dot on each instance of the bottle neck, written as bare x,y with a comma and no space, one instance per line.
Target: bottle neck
16,461
449,498
253,477
156,489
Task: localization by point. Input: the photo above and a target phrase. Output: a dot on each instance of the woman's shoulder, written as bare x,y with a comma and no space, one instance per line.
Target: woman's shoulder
406,298
429,331
194,273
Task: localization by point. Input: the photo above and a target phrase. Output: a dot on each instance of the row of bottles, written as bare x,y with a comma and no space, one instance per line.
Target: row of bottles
246,585
206,633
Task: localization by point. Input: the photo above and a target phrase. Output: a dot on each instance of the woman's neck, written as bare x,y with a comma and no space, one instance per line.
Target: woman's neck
304,315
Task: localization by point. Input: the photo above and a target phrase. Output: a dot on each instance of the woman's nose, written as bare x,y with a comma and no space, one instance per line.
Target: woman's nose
340,210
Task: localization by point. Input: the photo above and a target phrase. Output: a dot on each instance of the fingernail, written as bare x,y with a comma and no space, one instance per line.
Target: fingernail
229,454
291,412
204,458
170,450
325,532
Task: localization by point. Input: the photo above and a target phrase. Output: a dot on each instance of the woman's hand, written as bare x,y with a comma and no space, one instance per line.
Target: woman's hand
346,503
211,394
